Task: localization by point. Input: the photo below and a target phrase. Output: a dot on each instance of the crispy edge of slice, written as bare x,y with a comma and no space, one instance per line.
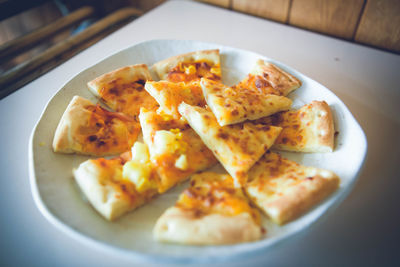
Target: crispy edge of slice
75,115
208,129
294,200
163,67
102,197
318,136
228,110
280,80
135,72
184,226
167,93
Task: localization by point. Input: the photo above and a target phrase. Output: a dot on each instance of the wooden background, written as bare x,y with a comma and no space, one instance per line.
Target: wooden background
371,22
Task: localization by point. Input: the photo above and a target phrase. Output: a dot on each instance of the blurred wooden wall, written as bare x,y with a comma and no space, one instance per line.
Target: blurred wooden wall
371,22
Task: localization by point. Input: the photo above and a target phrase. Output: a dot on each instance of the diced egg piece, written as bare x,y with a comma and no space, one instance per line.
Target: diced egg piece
140,153
139,174
166,142
191,69
182,163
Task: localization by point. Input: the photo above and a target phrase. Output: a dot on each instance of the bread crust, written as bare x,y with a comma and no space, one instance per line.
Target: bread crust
123,89
280,80
232,105
285,190
72,128
163,67
309,129
237,147
95,181
179,226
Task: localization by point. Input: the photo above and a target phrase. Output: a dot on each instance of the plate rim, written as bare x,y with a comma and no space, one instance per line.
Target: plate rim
245,249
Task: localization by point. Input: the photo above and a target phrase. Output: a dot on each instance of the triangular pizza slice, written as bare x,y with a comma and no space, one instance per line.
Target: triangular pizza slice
89,129
237,147
285,190
212,211
169,95
119,185
308,129
190,66
268,78
123,89
176,150
232,105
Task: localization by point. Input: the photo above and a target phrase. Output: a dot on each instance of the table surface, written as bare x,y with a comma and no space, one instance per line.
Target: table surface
363,230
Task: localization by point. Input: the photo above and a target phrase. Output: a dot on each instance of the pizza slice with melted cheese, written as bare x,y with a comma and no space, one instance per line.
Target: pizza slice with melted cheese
285,190
232,105
119,185
169,95
176,150
267,78
89,129
210,212
308,129
123,89
237,147
190,66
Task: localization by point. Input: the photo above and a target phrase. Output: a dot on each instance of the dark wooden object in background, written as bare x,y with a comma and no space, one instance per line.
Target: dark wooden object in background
39,64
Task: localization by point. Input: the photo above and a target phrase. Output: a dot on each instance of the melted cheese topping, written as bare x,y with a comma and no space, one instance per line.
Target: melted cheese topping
215,193
106,131
189,71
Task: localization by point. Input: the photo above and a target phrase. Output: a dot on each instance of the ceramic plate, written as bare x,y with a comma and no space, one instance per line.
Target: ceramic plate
61,202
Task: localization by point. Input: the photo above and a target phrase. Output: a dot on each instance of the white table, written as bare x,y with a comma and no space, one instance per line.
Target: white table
362,231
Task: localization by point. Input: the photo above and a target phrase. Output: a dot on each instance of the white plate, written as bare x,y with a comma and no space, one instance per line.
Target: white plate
60,201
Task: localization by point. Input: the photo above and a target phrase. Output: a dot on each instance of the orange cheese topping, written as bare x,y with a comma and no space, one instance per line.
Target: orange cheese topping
292,133
186,72
215,193
107,131
127,97
258,83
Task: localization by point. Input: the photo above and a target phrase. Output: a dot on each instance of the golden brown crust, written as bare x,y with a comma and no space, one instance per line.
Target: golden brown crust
101,182
123,89
285,190
173,68
309,129
169,95
210,211
188,144
237,147
268,78
88,129
232,105
181,226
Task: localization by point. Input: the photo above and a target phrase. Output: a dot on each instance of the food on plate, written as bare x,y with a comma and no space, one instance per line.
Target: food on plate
267,78
232,105
238,146
190,66
284,189
190,121
212,211
175,149
123,89
119,185
89,129
169,95
308,129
